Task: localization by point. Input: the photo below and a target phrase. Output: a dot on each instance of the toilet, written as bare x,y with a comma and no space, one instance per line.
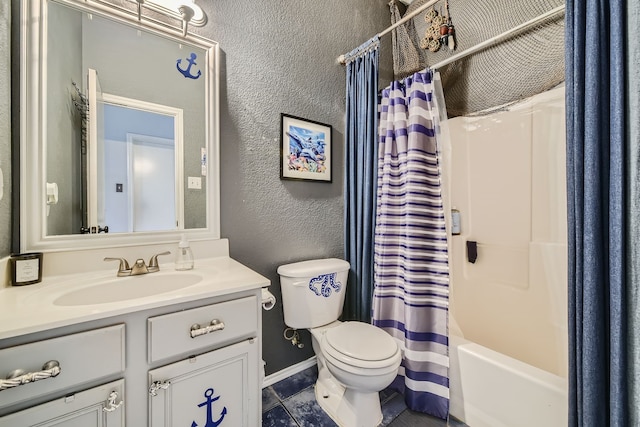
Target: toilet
356,360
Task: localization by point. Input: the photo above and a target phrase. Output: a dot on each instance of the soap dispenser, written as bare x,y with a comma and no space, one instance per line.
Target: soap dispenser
184,258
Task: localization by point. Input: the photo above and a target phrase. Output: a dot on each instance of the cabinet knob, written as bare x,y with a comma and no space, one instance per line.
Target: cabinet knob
158,385
111,404
20,377
197,330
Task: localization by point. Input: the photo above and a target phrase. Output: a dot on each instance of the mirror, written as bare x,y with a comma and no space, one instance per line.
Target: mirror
120,140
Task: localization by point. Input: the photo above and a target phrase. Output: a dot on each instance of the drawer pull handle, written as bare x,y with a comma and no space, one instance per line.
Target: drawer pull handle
111,402
197,330
19,377
157,385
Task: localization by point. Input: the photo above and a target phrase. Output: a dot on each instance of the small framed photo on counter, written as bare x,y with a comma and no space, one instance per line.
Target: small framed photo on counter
25,269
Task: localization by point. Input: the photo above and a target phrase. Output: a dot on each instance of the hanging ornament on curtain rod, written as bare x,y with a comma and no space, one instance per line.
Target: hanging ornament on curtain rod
431,39
449,28
440,32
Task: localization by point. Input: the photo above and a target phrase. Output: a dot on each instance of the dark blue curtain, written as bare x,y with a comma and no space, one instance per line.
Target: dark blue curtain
595,87
633,209
360,176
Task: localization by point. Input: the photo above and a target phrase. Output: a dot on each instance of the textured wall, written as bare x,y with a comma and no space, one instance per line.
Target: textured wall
280,57
5,127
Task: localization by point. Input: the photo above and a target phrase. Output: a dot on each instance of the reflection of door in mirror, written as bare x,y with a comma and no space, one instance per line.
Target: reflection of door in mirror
151,183
140,185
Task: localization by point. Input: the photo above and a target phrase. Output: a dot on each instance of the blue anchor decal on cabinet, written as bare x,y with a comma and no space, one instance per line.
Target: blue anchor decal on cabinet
209,404
187,72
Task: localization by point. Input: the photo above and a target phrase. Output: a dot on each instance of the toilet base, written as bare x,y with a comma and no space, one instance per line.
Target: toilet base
346,407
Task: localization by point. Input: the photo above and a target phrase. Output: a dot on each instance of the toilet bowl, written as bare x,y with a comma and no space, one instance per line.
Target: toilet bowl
356,360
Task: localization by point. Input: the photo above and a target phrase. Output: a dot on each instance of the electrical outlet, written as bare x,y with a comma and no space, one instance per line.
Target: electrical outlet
194,182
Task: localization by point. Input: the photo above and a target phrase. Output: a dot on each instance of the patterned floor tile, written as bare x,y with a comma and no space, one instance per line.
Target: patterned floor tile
454,422
306,411
296,383
277,417
386,395
410,418
292,403
392,408
269,399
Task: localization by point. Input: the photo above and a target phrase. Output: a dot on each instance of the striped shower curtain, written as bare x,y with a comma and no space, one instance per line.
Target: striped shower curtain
411,295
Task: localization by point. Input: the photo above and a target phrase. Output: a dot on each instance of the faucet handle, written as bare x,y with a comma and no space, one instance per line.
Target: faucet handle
123,268
153,261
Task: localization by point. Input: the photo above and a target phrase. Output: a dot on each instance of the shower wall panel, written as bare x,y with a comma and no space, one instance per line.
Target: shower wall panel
508,182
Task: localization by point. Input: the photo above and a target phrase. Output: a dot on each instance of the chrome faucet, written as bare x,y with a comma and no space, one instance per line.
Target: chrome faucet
139,267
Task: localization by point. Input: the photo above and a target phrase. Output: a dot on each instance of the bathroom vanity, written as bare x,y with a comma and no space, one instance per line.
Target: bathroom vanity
184,357
84,347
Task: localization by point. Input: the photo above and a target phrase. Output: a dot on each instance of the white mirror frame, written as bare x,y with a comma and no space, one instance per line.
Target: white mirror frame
33,125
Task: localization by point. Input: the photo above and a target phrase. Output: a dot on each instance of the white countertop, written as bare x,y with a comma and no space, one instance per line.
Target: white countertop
29,309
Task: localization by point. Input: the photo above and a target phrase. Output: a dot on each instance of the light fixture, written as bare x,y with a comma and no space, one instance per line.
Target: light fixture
140,2
185,10
187,14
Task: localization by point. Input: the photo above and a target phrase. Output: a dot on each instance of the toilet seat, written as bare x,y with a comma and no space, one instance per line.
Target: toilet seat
360,345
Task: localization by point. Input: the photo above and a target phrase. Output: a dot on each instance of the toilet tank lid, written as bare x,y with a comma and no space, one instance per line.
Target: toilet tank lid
313,267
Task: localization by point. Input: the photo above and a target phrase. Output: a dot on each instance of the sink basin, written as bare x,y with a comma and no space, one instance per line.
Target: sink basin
127,288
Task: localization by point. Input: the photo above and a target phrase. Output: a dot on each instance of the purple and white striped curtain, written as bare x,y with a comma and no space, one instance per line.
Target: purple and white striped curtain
411,295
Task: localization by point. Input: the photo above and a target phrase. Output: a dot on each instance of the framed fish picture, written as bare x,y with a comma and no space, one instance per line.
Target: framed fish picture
305,149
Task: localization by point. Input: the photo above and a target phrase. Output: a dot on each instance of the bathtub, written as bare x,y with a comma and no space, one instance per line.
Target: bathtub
489,389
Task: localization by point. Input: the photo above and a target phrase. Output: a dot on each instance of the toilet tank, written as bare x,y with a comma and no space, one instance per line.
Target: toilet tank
313,291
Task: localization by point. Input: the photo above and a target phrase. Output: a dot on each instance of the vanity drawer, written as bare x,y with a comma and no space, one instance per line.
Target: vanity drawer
171,334
82,358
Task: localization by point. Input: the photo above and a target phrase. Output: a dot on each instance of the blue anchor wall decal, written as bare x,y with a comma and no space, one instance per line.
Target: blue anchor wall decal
209,404
187,71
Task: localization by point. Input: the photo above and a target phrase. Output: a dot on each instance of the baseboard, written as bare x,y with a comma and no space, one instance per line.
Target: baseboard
287,372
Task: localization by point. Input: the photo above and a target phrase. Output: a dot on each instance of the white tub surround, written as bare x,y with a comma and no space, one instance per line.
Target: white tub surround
489,389
514,298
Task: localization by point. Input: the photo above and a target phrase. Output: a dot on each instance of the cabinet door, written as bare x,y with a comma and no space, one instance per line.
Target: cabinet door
96,407
219,388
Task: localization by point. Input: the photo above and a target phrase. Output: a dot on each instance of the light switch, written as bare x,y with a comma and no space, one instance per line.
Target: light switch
194,182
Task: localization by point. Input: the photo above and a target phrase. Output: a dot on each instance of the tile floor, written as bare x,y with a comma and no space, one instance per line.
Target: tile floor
291,403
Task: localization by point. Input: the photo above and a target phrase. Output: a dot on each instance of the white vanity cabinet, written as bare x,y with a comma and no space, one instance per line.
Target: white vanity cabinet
192,363
218,387
190,357
67,366
99,406
215,388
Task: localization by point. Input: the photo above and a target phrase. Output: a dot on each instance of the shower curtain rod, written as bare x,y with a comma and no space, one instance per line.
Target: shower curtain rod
500,37
480,46
341,58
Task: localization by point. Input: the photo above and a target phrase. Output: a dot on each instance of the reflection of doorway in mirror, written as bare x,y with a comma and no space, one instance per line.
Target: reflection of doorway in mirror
151,183
142,160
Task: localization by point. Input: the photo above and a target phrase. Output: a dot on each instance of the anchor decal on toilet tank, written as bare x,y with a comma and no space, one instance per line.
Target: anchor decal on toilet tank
209,404
327,283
